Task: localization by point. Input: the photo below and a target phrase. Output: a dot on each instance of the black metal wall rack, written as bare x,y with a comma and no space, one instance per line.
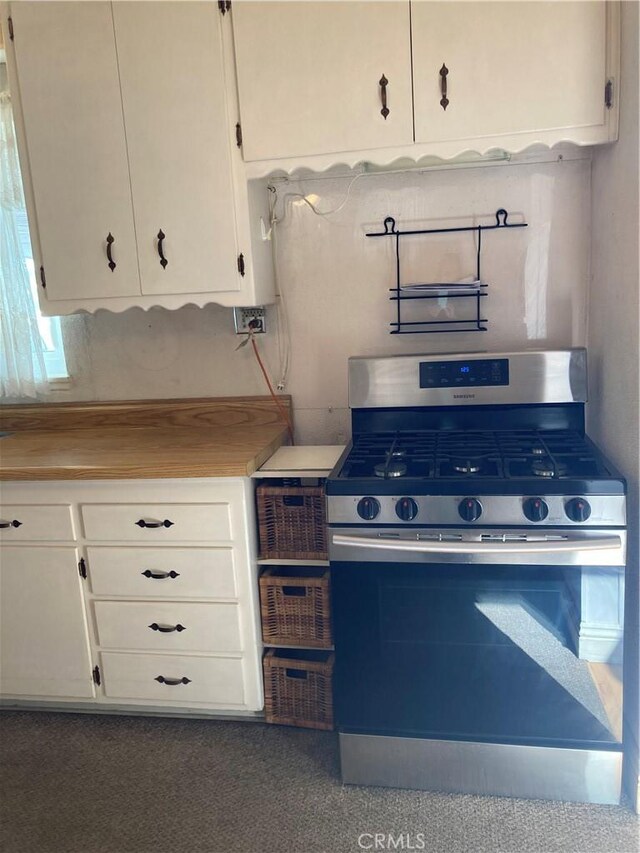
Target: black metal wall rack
475,290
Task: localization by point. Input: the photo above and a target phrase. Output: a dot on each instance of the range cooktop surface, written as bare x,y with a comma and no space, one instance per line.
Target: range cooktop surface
458,454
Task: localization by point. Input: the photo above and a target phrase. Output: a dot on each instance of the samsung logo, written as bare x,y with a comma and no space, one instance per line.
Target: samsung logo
464,396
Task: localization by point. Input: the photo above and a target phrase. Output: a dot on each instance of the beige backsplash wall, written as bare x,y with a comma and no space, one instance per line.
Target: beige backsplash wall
336,282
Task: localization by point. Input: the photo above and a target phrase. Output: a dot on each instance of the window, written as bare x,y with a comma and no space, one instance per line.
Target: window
49,327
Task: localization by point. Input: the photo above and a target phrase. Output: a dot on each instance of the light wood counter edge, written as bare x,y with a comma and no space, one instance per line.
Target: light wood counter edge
155,470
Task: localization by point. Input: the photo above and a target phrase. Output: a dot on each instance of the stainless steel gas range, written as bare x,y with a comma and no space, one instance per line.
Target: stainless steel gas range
477,548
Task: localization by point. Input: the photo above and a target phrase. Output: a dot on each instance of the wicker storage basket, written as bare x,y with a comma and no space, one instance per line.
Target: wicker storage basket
298,689
291,521
295,606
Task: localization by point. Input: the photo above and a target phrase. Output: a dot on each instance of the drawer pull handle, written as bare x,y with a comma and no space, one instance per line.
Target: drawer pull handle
172,682
14,523
384,112
151,524
167,629
444,101
160,576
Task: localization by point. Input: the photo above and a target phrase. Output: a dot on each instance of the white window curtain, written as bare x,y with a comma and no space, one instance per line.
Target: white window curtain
22,366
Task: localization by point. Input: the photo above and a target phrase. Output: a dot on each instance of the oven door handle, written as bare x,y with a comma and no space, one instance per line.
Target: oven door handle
539,546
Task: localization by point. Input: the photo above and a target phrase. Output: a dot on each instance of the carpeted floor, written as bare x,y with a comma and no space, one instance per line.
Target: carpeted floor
89,784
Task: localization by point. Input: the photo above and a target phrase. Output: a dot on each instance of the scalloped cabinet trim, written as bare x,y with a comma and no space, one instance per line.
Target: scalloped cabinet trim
135,185
484,75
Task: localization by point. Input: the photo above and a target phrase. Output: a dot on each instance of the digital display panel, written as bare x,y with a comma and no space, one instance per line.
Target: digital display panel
464,374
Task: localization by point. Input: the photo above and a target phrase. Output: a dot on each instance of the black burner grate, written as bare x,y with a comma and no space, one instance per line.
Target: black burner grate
460,454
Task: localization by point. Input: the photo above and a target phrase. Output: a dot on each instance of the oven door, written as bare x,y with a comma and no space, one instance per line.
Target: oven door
478,636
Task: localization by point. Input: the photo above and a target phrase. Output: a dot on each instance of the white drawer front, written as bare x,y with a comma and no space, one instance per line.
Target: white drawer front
176,627
214,681
163,572
156,523
32,523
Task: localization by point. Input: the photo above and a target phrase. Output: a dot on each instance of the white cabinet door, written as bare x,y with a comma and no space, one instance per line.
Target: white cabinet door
173,92
44,644
72,108
512,68
309,76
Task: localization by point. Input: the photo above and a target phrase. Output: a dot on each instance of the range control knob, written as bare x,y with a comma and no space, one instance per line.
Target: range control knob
406,509
368,508
470,509
535,509
577,509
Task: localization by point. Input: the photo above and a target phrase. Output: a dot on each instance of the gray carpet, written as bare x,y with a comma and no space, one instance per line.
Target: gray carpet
103,784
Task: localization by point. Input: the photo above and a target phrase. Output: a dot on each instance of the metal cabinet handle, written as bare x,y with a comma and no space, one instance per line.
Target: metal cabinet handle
159,576
172,681
14,523
167,629
444,101
163,260
383,83
110,241
153,524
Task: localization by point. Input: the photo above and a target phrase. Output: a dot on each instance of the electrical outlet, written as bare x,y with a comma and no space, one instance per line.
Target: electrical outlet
250,319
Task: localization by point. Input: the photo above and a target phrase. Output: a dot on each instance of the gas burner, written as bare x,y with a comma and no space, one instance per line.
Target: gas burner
546,468
538,450
467,466
388,469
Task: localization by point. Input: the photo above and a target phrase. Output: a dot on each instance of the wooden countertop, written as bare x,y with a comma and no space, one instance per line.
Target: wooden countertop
229,437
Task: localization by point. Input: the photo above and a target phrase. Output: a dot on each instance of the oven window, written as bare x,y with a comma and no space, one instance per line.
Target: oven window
482,652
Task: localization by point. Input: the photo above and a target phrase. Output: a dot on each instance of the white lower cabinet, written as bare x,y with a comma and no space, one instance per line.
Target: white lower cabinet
163,572
152,602
168,626
160,679
32,523
152,523
44,644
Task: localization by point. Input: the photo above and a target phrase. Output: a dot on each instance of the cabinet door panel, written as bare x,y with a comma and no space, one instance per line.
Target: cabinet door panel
308,76
70,93
172,75
44,645
512,67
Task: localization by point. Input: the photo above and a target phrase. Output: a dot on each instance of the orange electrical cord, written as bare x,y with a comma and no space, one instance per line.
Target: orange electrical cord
282,409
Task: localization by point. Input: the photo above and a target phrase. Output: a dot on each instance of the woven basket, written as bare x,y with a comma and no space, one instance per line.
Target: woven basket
298,688
296,607
292,523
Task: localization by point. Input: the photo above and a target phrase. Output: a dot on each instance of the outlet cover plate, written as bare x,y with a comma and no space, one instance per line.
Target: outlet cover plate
242,317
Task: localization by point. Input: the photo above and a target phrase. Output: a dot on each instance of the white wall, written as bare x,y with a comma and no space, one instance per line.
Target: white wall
336,285
614,332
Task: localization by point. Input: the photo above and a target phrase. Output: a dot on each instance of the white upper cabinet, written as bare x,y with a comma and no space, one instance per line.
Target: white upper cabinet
510,68
135,183
516,74
311,76
70,92
173,93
